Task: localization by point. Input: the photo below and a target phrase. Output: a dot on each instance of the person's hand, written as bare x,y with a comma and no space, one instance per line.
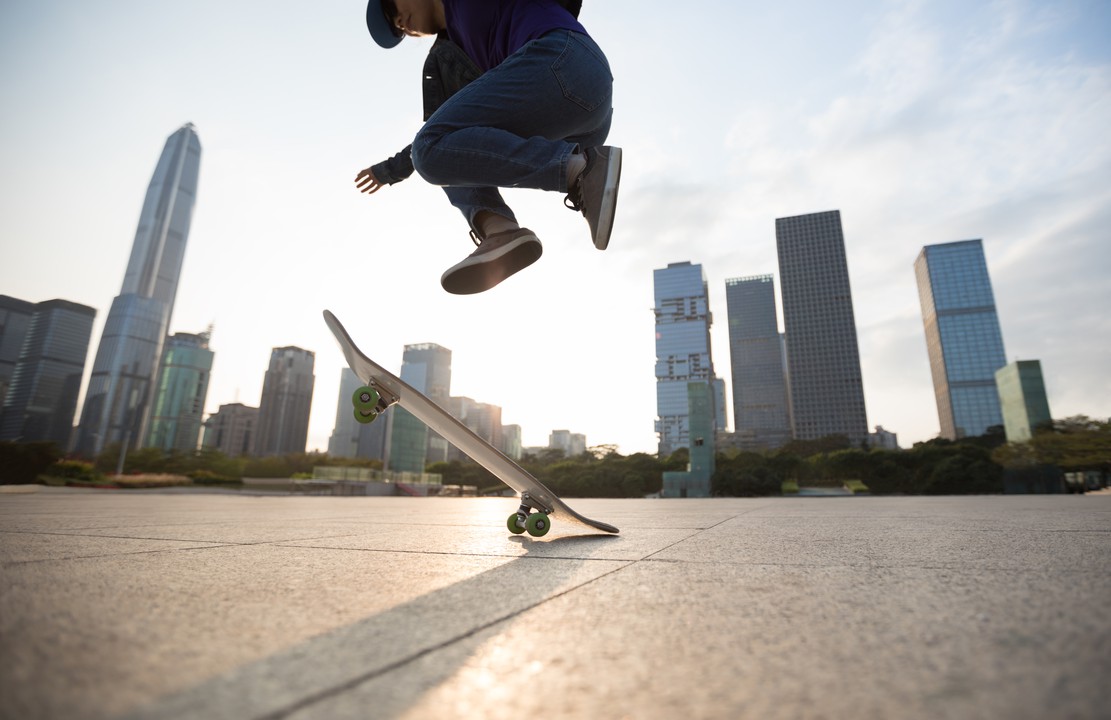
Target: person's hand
367,182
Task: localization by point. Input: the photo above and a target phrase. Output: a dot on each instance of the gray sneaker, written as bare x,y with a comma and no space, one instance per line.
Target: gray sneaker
595,193
497,257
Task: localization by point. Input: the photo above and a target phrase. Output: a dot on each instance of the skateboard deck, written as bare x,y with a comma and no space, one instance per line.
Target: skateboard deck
382,389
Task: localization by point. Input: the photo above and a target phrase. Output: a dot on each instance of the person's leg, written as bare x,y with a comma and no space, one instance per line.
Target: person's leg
510,127
531,122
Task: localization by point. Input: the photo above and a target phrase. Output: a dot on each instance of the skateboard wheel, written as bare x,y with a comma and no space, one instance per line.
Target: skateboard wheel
538,524
365,398
514,526
365,417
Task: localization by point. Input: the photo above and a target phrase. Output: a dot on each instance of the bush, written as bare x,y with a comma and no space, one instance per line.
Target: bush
790,487
207,477
22,463
76,470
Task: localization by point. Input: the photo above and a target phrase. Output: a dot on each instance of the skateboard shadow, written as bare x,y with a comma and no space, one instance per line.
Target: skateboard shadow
387,662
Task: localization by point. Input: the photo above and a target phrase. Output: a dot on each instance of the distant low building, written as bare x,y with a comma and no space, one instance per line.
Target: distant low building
231,430
1022,399
572,444
883,439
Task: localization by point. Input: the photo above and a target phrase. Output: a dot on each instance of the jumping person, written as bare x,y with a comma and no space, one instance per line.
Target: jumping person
536,117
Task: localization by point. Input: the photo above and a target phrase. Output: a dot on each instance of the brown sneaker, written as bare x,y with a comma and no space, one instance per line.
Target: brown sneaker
595,192
497,257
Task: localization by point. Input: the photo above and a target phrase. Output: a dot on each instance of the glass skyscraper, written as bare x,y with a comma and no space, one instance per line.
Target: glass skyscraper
823,357
121,389
963,337
41,401
1022,399
15,318
182,388
427,367
760,411
682,310
283,411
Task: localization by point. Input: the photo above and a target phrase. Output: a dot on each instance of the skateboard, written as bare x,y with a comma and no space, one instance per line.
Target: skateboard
383,389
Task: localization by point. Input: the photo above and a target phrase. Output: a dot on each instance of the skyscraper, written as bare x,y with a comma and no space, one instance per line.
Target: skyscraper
760,410
121,389
427,367
283,412
47,379
15,318
344,442
1022,399
962,336
231,429
823,357
182,388
683,321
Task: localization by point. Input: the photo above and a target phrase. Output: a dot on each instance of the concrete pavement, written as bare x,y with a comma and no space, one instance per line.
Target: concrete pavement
178,605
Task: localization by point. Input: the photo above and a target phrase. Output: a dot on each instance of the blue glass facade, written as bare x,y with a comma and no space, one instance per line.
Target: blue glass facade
963,338
760,411
683,321
427,367
182,388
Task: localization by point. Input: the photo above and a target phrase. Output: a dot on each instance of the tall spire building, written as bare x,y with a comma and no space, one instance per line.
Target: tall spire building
121,389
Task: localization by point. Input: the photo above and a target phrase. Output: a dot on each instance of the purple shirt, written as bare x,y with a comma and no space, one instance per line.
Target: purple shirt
489,31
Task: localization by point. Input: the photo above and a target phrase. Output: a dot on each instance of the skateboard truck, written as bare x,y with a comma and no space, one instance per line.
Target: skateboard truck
370,401
535,523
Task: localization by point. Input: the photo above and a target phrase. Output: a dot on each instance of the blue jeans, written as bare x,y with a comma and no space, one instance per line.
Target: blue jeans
518,124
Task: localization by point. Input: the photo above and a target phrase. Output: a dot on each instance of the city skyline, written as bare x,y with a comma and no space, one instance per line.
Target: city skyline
922,123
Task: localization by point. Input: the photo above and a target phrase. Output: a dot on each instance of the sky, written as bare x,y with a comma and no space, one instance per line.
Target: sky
922,122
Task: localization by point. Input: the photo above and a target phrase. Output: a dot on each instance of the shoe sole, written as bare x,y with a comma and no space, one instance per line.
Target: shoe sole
608,209
479,274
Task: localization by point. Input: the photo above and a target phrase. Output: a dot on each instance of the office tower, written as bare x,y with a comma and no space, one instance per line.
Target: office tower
231,430
427,367
962,336
344,442
760,411
42,397
1022,399
283,411
572,444
825,388
683,320
511,441
883,439
482,418
121,389
182,388
695,481
15,318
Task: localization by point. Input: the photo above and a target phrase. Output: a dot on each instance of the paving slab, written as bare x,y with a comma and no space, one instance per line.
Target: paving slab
178,605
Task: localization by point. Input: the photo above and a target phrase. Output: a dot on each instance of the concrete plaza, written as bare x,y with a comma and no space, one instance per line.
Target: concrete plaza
182,605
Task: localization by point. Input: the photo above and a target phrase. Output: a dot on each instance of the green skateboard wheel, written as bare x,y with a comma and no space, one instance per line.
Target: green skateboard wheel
513,526
538,524
365,398
365,416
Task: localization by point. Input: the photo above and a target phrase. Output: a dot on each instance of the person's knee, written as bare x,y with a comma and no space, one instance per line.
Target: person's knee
423,153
